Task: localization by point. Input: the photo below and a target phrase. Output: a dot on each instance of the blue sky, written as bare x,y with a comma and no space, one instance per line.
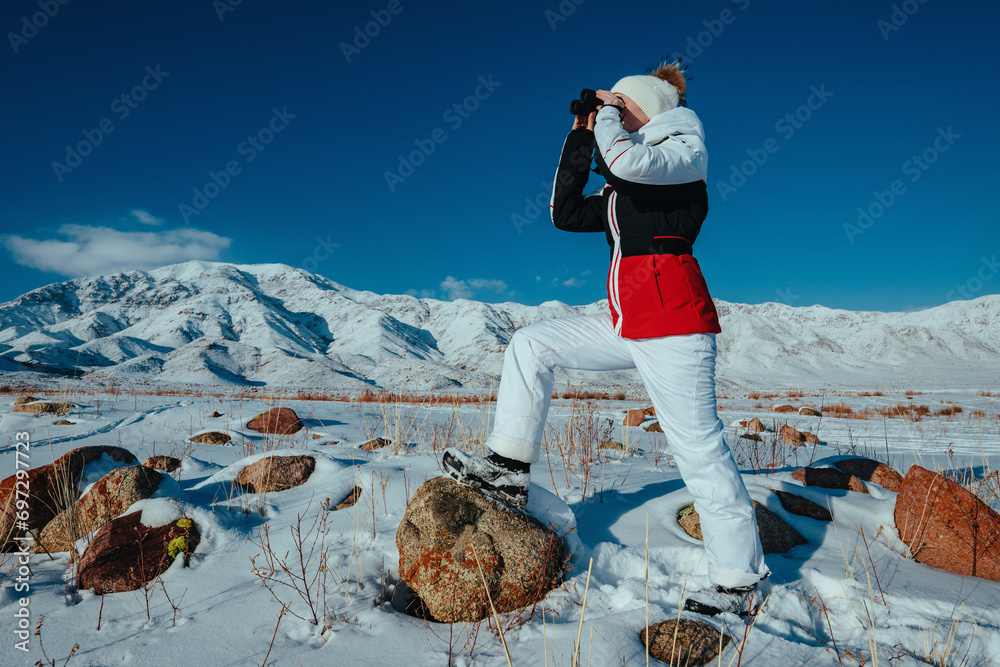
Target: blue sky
143,134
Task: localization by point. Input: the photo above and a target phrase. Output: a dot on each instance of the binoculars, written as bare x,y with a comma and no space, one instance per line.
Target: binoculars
587,102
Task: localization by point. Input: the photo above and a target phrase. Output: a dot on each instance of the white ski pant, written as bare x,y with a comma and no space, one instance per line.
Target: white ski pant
679,374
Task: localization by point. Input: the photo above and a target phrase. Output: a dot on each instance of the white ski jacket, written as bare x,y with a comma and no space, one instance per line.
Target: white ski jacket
668,150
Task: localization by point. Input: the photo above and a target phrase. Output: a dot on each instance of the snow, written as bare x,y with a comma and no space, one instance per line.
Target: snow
216,323
850,588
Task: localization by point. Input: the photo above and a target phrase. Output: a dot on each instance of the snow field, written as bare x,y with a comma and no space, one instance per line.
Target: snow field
851,585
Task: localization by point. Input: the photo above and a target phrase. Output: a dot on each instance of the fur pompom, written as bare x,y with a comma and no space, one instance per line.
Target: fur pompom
673,74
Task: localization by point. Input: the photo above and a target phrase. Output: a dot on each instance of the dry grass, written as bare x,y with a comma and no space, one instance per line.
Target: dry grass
254,393
590,395
842,410
907,411
382,396
949,411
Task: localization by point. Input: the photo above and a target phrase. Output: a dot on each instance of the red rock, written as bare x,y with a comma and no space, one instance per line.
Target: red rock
276,473
164,463
791,436
215,414
654,428
634,418
946,526
350,500
375,443
51,488
829,478
872,471
211,438
684,642
756,425
449,531
282,421
651,411
782,408
776,535
810,437
125,554
107,499
802,507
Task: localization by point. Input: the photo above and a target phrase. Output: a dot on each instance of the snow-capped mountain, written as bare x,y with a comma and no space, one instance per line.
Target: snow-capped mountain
216,323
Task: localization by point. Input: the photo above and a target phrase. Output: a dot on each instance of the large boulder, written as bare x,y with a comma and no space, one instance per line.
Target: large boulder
634,418
282,421
776,535
829,478
449,531
350,501
163,462
684,642
795,437
795,504
44,408
276,473
791,436
211,438
755,425
52,488
946,526
872,471
125,554
375,443
107,499
810,411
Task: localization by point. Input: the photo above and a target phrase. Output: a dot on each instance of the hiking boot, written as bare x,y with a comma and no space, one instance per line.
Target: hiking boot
719,599
497,476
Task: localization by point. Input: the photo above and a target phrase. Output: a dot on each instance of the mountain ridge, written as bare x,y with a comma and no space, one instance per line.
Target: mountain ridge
219,323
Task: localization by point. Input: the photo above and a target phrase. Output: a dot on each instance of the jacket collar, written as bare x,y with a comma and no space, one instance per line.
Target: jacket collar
669,123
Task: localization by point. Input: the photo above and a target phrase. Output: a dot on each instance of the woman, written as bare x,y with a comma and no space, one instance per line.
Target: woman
661,320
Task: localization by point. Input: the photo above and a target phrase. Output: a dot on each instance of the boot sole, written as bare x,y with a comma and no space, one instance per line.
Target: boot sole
512,496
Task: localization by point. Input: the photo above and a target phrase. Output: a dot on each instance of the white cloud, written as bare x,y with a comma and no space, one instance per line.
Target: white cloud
86,250
145,217
568,282
422,294
455,289
464,289
492,285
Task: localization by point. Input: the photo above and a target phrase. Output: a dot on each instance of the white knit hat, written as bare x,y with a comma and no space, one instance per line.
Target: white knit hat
651,94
